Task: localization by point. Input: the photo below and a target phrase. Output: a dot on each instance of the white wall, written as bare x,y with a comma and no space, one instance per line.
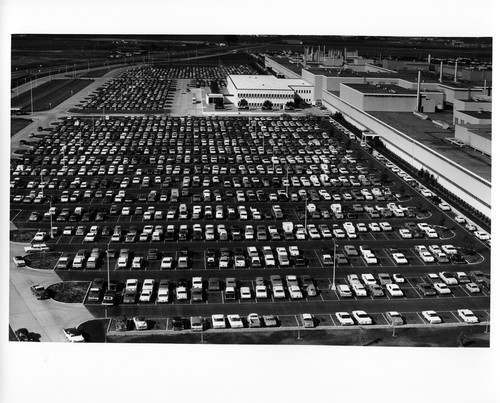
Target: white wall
465,184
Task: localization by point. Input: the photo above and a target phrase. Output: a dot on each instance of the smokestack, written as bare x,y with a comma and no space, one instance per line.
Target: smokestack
429,59
456,70
441,72
418,93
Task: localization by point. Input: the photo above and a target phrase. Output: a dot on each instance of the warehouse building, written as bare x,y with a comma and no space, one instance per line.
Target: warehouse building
257,89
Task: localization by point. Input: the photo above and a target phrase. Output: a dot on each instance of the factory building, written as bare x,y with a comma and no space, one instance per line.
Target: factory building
257,89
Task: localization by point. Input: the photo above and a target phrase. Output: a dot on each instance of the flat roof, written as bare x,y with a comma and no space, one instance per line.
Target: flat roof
408,75
285,62
266,82
478,114
432,136
388,89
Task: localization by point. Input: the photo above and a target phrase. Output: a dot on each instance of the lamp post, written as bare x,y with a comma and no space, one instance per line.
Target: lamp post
334,263
107,256
286,187
50,212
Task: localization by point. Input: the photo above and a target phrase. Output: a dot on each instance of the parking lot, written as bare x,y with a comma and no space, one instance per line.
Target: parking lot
172,198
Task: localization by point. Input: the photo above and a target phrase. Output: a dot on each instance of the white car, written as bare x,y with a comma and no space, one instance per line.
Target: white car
385,226
441,288
394,290
398,278
131,284
73,335
344,290
449,249
460,219
467,316
399,258
426,256
140,323
362,318
235,321
368,278
295,292
261,291
294,250
472,287
344,318
374,227
405,233
432,317
444,206
167,262
448,278
145,295
197,282
307,320
278,291
218,321
359,290
245,293
482,235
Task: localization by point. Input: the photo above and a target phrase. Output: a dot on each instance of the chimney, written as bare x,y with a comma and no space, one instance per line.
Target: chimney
418,93
441,72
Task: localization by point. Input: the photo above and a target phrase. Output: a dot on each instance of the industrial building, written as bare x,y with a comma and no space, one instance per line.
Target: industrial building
412,119
257,89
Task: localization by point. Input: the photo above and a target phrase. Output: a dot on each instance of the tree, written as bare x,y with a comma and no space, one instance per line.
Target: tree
384,176
219,103
290,105
267,105
442,220
243,104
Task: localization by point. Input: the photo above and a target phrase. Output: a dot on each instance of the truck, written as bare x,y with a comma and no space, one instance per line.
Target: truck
337,210
282,256
369,257
253,255
63,263
95,290
174,195
288,230
230,290
268,256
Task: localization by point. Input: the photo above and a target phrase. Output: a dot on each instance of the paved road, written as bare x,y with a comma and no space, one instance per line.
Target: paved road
46,317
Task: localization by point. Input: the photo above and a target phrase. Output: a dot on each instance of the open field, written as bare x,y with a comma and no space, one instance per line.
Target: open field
48,95
18,124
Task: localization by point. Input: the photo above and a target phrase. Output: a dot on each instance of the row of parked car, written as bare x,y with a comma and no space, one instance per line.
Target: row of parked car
306,320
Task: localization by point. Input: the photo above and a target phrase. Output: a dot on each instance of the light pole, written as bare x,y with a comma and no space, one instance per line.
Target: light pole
286,187
50,212
107,255
41,179
334,263
31,95
305,214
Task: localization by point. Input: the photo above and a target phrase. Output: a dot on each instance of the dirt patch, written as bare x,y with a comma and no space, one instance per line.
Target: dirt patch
42,260
71,292
22,235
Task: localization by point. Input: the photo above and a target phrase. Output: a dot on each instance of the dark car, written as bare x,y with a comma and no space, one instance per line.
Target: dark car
23,334
177,323
39,291
129,297
426,289
121,324
109,297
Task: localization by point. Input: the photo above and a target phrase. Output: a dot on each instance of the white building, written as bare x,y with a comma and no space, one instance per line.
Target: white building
260,88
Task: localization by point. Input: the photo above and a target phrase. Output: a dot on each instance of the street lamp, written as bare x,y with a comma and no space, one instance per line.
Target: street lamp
107,255
50,212
334,263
